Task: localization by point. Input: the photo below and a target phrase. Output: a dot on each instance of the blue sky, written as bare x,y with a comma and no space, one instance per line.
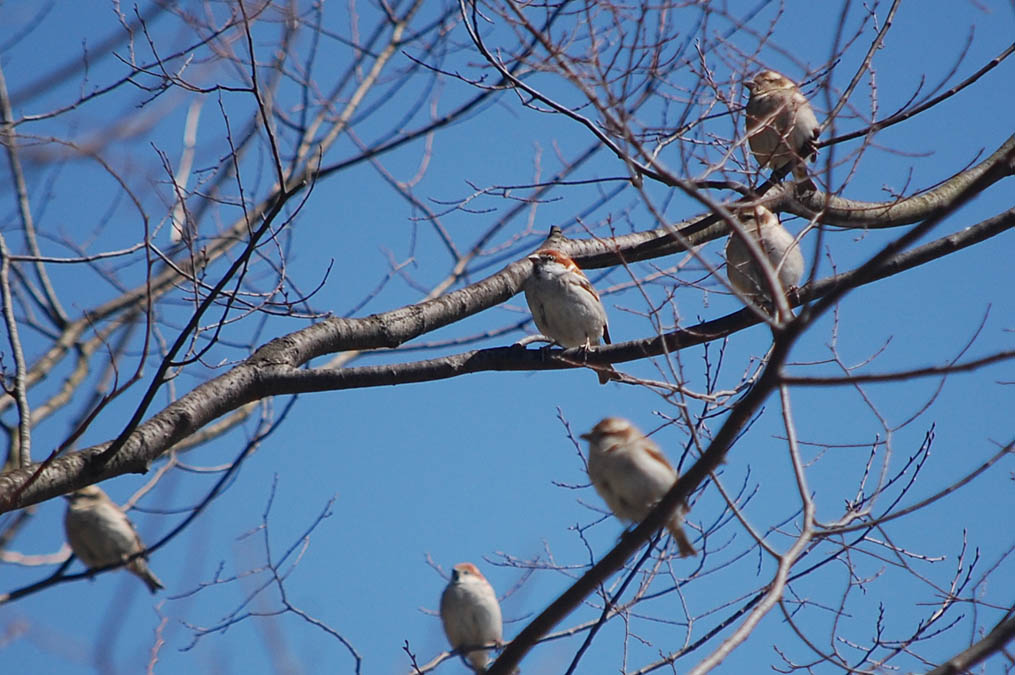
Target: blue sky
476,468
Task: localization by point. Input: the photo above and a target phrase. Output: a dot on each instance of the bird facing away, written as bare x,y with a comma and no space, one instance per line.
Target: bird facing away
781,126
779,247
100,533
471,615
631,474
564,305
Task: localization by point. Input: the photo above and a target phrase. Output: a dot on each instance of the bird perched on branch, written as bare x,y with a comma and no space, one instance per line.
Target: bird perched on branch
100,533
776,243
471,615
564,305
781,126
631,474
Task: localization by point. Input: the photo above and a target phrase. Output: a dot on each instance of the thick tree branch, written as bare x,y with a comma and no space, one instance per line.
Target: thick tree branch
1002,634
274,369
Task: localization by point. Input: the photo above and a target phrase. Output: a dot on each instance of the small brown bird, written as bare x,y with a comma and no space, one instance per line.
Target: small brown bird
631,474
778,245
100,533
471,614
781,126
564,305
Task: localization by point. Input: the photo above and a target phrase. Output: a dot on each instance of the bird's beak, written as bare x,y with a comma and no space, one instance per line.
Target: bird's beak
533,258
749,85
586,437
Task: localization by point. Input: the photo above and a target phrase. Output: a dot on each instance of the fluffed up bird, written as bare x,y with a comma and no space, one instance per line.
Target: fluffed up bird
564,305
631,474
781,126
100,534
471,615
776,242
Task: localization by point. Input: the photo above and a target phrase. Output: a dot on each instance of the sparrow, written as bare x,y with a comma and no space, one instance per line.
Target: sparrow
471,615
781,126
631,474
779,246
100,534
564,305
